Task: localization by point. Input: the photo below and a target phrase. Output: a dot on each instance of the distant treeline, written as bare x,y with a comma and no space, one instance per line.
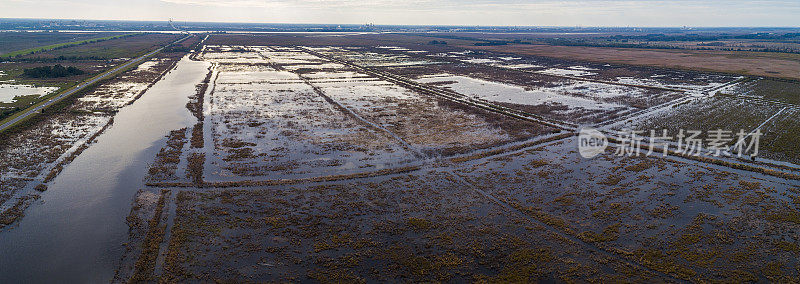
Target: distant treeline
6,112
500,42
482,42
62,58
758,48
697,37
56,71
21,53
177,48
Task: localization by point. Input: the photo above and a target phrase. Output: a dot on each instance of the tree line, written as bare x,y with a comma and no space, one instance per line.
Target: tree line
56,71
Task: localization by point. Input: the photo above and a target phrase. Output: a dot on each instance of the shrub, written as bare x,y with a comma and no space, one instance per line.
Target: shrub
56,71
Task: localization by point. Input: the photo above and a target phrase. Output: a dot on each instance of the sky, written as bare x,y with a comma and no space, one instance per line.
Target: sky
616,13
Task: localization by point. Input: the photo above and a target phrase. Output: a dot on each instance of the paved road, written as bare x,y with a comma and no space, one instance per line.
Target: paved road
77,88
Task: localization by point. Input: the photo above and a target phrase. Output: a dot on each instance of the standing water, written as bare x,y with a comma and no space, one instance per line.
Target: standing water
76,232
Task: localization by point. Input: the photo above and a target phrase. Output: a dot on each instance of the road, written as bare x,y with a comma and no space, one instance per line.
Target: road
80,87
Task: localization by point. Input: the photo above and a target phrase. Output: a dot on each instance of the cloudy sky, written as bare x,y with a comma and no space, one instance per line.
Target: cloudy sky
424,12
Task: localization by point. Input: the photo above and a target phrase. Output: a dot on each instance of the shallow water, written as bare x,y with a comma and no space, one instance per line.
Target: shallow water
8,91
76,231
505,93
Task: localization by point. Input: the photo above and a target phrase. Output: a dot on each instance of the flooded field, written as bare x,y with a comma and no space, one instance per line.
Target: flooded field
398,163
543,213
782,91
296,115
8,92
571,94
681,218
778,123
314,169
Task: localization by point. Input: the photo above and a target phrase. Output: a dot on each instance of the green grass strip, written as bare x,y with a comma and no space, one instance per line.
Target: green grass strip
59,45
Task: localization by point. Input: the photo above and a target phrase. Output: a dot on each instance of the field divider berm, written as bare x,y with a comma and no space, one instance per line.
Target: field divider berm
450,95
577,78
41,106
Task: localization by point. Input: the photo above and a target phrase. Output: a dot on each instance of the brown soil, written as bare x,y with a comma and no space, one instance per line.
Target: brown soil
747,63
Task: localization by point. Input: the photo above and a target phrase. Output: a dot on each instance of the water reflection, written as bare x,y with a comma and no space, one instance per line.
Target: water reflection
76,232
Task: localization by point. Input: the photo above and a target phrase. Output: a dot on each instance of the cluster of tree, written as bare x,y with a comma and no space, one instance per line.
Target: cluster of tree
698,37
56,71
491,43
177,48
435,42
624,44
757,48
500,42
6,112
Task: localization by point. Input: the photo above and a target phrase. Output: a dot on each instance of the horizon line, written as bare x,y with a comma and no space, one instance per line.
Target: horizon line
408,25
